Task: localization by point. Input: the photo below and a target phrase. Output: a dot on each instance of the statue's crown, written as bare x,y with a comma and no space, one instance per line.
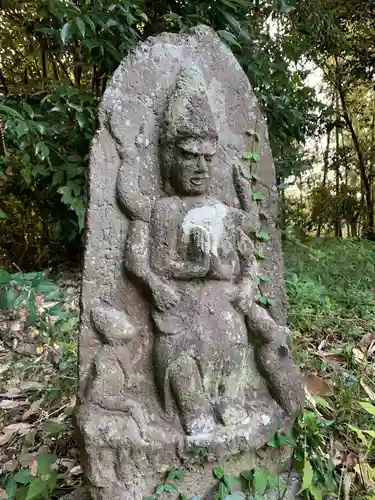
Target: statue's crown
188,112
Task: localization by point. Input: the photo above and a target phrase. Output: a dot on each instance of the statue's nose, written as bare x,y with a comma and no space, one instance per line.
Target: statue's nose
202,164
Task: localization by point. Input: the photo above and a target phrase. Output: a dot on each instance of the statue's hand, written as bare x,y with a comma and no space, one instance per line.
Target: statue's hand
243,299
287,336
240,182
165,297
200,243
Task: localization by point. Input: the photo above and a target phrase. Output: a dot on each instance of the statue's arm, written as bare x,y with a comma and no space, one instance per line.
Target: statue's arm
247,216
137,262
243,189
133,202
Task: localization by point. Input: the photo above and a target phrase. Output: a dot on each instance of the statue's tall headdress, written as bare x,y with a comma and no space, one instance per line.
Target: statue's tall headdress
188,112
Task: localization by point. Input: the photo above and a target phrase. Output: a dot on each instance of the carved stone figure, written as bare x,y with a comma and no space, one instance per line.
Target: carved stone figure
182,353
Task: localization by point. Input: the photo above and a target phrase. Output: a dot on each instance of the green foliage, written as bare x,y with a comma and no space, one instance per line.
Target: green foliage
169,485
331,303
262,235
328,284
56,60
318,470
257,196
254,482
34,483
266,301
56,324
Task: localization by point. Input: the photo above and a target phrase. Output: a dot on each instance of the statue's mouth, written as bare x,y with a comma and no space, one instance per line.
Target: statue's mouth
197,181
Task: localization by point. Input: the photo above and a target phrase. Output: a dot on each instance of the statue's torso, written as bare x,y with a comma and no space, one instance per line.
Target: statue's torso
205,315
172,221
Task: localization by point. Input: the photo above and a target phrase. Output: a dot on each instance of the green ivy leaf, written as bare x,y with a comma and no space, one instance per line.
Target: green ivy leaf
265,301
58,178
316,492
259,255
74,158
32,316
5,277
90,44
3,215
218,472
264,279
257,196
7,299
11,488
228,37
308,475
36,489
248,156
67,31
81,26
170,488
52,427
45,287
21,128
368,407
285,440
275,481
248,475
29,110
24,476
231,482
222,490
175,474
45,462
256,157
260,480
42,150
262,235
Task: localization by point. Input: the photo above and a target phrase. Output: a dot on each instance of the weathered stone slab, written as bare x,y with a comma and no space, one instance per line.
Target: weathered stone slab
179,346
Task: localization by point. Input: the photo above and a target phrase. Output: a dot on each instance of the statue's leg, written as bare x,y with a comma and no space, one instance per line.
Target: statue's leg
231,390
188,391
282,375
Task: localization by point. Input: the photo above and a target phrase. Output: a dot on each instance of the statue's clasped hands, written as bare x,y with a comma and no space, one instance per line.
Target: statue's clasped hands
200,246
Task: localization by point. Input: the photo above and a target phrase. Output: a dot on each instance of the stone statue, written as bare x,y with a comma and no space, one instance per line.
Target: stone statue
176,350
195,256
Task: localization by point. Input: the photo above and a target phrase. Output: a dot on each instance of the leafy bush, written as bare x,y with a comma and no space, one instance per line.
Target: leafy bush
329,284
57,58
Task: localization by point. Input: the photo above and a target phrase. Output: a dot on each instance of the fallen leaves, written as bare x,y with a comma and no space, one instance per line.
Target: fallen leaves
332,359
6,437
317,386
367,343
19,427
11,404
35,420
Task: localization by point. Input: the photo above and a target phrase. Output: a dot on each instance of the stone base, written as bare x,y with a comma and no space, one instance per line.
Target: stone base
127,455
78,494
289,493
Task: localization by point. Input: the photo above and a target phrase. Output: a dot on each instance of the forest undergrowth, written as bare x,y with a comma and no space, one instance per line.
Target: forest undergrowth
331,289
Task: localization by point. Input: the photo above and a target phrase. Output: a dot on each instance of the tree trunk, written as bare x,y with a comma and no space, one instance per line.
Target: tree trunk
325,173
338,224
3,82
361,164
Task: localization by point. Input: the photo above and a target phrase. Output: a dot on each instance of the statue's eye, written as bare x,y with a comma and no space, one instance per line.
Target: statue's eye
187,155
208,158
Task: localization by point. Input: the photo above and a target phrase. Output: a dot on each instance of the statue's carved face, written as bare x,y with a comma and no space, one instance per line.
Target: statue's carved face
193,160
